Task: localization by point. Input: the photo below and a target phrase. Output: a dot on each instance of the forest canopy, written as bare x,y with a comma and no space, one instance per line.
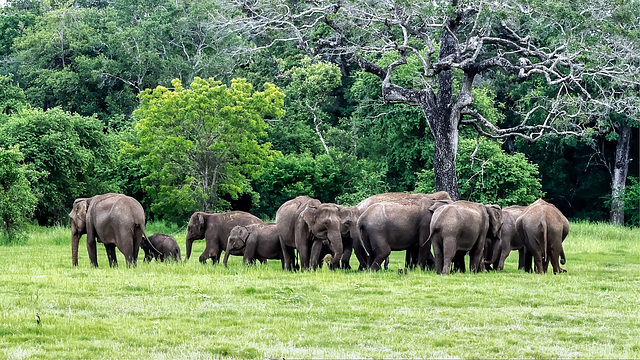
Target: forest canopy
216,105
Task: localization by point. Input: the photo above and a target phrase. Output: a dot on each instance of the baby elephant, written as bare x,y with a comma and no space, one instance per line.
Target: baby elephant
255,241
160,246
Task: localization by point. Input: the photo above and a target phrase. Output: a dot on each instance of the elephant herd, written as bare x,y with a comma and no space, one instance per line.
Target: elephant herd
306,231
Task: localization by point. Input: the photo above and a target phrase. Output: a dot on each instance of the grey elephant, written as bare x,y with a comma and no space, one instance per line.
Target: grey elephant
160,247
412,254
255,241
543,228
396,226
351,238
303,223
461,227
510,238
116,220
215,229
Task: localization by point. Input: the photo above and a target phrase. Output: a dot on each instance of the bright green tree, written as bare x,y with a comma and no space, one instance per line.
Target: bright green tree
203,142
17,202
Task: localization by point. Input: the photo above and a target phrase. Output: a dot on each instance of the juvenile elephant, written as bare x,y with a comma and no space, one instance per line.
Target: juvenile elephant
159,247
115,220
215,229
351,238
510,238
395,226
460,227
303,223
255,241
412,254
543,228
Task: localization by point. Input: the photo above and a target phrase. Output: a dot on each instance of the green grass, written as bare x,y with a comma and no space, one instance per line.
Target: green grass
187,310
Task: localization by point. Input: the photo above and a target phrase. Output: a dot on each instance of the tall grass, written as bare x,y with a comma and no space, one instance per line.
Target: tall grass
194,311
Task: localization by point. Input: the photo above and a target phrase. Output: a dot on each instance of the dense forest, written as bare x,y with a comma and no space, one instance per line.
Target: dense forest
215,105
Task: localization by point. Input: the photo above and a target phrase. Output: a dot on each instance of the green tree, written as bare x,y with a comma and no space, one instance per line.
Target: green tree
12,97
17,202
71,151
488,175
203,142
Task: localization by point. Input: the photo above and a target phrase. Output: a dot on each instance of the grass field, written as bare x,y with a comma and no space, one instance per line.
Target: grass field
187,310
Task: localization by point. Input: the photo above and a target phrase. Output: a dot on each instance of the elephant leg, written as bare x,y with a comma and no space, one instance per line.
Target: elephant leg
314,256
449,246
344,260
476,255
537,259
381,256
111,254
522,252
438,253
91,247
286,256
458,261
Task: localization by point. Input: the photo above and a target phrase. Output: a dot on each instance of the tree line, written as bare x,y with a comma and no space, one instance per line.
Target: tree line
216,105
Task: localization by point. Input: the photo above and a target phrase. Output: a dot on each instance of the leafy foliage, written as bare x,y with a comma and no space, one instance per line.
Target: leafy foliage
329,178
489,175
71,151
17,202
203,142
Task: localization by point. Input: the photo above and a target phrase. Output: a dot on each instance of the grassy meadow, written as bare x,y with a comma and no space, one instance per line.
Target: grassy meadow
191,311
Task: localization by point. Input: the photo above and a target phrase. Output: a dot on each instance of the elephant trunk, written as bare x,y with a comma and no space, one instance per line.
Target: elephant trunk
335,238
75,241
188,246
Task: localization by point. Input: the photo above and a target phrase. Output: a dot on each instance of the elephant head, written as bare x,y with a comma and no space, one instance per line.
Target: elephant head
324,223
195,230
238,238
493,245
78,216
349,222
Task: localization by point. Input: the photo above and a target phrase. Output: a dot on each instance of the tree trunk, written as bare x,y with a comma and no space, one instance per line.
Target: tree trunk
619,174
445,135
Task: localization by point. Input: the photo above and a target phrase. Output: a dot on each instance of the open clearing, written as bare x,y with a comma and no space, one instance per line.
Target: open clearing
187,310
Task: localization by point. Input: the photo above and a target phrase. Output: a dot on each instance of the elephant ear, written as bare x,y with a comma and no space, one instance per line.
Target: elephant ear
495,219
439,203
309,215
244,231
200,221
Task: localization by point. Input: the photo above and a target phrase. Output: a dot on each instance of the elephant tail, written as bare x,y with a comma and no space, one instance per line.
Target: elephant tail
145,238
545,240
364,240
563,259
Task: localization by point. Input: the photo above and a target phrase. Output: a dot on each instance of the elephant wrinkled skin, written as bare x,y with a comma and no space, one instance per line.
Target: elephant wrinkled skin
116,220
215,229
460,227
413,252
160,247
303,223
543,228
255,241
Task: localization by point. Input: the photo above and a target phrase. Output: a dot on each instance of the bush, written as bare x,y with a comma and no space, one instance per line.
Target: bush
490,175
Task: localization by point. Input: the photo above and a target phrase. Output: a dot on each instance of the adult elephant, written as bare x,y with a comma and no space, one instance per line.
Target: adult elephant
215,229
303,223
543,228
412,253
395,226
255,241
461,227
116,220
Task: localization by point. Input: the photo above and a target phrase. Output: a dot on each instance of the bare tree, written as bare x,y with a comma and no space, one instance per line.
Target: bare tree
452,39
